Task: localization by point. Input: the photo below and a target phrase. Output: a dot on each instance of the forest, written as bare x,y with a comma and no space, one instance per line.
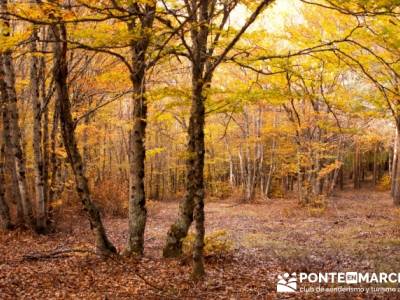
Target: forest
199,149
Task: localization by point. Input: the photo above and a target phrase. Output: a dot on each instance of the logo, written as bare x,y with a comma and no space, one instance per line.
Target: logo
287,283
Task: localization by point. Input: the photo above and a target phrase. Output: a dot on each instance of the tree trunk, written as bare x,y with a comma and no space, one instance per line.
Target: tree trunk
7,78
196,135
396,168
356,167
60,74
37,139
45,126
5,218
192,206
54,163
395,159
137,195
375,168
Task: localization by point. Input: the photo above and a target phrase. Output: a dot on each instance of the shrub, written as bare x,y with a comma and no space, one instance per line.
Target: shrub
384,183
215,243
316,205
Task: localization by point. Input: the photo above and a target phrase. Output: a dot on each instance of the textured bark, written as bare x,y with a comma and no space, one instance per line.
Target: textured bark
201,14
40,194
180,228
137,196
45,128
196,136
7,76
193,203
60,74
5,218
202,68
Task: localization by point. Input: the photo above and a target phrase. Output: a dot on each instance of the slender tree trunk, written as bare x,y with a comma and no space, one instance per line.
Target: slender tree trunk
5,218
54,162
375,169
45,126
37,139
299,178
60,74
272,158
396,168
356,167
395,160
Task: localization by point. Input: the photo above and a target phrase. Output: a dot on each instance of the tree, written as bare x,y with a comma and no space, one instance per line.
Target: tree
9,95
60,74
201,15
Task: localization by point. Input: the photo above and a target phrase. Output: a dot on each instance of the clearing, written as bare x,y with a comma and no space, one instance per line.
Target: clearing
358,231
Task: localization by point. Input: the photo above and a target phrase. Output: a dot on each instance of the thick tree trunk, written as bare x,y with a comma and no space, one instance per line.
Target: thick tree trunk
196,136
41,215
137,195
60,74
7,78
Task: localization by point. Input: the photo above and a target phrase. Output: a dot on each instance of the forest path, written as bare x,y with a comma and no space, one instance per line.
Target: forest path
357,231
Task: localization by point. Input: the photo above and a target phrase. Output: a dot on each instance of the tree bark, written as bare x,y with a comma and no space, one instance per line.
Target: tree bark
41,215
375,167
7,76
396,168
356,166
137,195
395,159
60,74
4,208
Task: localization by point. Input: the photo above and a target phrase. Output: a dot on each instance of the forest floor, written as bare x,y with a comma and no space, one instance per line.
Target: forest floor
358,231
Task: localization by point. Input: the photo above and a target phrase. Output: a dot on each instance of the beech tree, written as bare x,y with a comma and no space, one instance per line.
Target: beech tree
201,54
60,74
11,116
